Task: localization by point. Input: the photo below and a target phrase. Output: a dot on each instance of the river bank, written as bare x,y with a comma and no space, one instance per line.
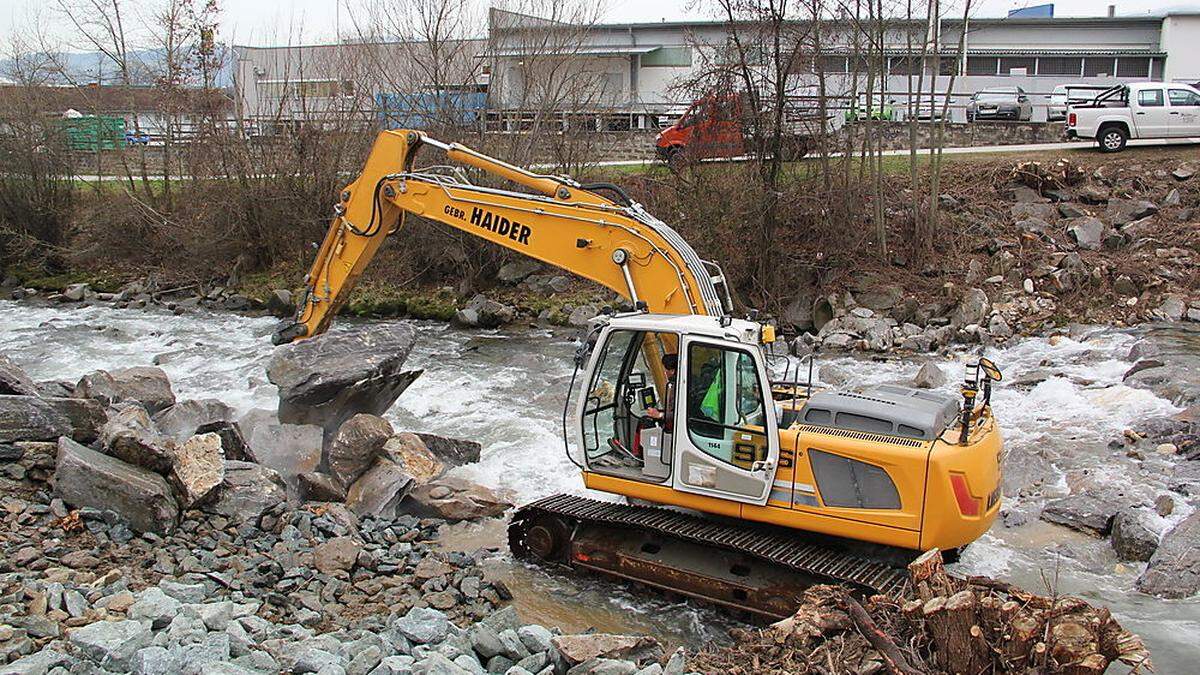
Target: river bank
1065,411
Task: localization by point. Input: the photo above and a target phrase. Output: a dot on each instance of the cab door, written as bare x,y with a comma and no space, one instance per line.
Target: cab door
726,440
1150,114
1185,112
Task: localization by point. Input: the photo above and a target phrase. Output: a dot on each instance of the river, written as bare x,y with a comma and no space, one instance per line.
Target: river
505,389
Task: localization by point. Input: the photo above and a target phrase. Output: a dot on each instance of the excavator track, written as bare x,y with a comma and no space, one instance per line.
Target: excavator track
759,569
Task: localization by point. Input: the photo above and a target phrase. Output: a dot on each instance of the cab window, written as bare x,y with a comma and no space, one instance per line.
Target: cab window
1183,98
629,383
725,404
1150,98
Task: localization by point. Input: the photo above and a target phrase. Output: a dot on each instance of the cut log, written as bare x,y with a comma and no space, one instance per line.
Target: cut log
928,575
1023,631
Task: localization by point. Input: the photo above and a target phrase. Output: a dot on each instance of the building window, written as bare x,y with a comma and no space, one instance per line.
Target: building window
672,57
904,65
1099,66
1156,69
948,65
1060,65
981,65
1133,66
831,64
1011,63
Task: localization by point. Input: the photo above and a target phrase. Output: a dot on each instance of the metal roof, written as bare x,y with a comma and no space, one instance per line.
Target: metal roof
1082,51
595,50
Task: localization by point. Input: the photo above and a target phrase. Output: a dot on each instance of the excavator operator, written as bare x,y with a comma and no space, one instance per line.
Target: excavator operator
666,416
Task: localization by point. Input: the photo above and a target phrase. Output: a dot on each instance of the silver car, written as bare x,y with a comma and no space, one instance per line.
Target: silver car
1071,94
1000,103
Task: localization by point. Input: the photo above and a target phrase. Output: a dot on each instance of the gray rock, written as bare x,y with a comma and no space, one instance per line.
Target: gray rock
195,658
1085,512
181,420
577,649
14,381
248,491
145,384
155,606
199,467
422,625
365,661
131,436
516,271
357,443
1172,308
111,644
37,663
336,555
1122,211
436,664
394,665
455,499
536,638
1133,537
380,490
581,315
328,379
85,477
184,592
1172,198
233,442
452,451
930,376
600,666
1174,376
154,660
320,487
973,308
32,418
482,312
832,375
289,449
485,641
215,615
1174,569
998,327
75,292
280,303
312,660
1087,232
1183,172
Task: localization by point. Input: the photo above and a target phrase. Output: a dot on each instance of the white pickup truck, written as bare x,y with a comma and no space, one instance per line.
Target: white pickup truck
1138,110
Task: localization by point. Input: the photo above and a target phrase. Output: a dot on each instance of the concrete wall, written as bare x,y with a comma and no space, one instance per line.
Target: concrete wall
1181,39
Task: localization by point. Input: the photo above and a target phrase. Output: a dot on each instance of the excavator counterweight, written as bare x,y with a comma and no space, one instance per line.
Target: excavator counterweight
676,406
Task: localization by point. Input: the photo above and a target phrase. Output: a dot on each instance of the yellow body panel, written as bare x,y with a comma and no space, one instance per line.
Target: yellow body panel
929,515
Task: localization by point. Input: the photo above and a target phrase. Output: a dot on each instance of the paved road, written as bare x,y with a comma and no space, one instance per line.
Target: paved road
972,150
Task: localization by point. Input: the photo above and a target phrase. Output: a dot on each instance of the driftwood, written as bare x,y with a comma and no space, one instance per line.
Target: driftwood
946,625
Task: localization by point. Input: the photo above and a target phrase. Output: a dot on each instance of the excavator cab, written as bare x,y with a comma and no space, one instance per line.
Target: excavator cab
710,429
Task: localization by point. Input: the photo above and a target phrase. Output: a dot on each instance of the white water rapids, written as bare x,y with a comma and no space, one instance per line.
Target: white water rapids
506,390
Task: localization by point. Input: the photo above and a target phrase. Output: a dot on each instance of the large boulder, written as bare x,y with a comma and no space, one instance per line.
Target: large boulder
379,491
451,451
1083,511
84,477
580,648
320,487
290,449
1087,232
14,381
1122,211
930,376
199,467
1133,535
181,420
1174,569
233,442
32,418
147,385
327,379
1174,376
483,312
130,435
455,499
355,447
247,492
409,452
973,308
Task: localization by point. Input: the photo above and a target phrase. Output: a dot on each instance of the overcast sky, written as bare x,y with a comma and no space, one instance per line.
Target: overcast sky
265,21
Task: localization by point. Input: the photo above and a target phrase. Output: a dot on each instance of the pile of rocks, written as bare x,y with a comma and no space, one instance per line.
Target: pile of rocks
149,293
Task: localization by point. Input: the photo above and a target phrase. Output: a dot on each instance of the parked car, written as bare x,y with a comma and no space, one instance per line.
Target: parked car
713,127
134,138
874,109
1071,94
1000,103
1137,110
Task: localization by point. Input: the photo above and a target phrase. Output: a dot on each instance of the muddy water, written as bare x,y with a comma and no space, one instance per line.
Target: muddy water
505,389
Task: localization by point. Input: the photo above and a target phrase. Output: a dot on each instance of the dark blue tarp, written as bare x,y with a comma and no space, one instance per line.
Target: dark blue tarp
1043,11
419,110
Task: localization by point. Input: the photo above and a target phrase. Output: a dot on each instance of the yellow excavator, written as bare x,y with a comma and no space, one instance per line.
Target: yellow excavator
776,486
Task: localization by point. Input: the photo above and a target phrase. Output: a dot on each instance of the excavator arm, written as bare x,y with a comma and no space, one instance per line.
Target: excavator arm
609,240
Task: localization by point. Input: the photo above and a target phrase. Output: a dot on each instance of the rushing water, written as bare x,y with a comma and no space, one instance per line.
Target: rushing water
506,390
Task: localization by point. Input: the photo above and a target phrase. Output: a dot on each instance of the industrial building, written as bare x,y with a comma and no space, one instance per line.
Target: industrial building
638,72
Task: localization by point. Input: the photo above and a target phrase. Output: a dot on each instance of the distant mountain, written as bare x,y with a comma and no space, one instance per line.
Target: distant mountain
95,67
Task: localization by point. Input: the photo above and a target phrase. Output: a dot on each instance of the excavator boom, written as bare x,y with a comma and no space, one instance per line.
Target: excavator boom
609,240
